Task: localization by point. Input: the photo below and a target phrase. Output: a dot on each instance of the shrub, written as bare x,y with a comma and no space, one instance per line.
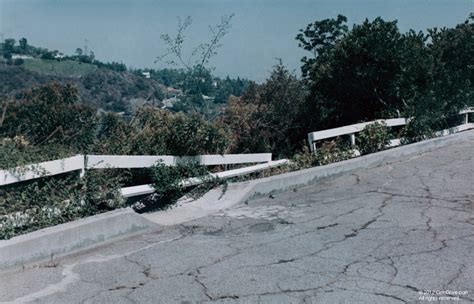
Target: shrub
333,151
17,151
18,61
373,138
51,201
417,129
50,114
329,152
168,182
159,132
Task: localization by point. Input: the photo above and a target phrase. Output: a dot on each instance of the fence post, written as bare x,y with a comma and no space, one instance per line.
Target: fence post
312,144
353,139
466,118
84,166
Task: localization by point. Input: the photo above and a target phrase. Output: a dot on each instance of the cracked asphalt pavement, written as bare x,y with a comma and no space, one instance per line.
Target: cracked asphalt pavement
390,234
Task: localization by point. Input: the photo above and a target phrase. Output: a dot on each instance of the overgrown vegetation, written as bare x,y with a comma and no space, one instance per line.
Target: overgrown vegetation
51,201
373,138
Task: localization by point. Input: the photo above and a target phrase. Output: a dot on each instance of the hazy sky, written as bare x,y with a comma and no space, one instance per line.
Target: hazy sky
262,30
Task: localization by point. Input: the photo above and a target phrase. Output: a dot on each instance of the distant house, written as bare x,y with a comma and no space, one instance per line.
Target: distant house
168,103
174,92
146,74
58,56
21,56
205,97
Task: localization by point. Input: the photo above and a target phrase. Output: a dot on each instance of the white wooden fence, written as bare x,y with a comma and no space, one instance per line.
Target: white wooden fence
352,130
147,189
43,169
82,162
144,161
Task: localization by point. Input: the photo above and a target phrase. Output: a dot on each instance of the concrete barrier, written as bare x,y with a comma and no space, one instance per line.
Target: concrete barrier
68,237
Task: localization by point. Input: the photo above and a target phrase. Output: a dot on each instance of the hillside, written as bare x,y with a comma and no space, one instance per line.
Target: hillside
60,68
98,87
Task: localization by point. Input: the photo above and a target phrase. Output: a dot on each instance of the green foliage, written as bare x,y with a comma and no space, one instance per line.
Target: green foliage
60,68
373,138
114,66
319,38
23,44
8,48
267,117
168,182
168,179
51,201
18,151
18,61
373,71
159,132
329,152
49,114
354,75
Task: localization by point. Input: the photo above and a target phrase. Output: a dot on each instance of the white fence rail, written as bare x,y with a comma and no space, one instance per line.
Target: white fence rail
352,130
48,168
145,161
83,162
148,189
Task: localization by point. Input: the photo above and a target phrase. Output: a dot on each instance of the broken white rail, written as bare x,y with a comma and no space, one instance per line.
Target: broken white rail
148,189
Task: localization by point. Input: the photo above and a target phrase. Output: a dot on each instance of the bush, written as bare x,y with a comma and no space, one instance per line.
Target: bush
416,130
50,114
168,182
18,61
329,152
51,201
159,132
373,138
17,151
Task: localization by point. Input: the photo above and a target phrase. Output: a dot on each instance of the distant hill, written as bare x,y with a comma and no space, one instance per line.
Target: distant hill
98,87
110,85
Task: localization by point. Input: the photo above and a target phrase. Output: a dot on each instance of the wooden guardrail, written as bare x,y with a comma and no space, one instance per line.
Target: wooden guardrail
43,169
86,162
352,130
144,161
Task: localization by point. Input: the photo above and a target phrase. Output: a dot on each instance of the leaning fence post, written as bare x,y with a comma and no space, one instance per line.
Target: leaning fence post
312,144
353,139
83,169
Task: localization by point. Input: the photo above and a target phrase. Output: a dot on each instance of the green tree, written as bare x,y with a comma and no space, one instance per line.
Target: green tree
267,117
8,48
23,44
355,74
79,52
319,39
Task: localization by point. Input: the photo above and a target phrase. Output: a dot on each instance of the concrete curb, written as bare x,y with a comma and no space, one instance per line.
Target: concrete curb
219,199
68,237
301,178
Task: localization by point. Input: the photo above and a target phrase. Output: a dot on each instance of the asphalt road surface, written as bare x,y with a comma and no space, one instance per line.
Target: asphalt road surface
399,233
